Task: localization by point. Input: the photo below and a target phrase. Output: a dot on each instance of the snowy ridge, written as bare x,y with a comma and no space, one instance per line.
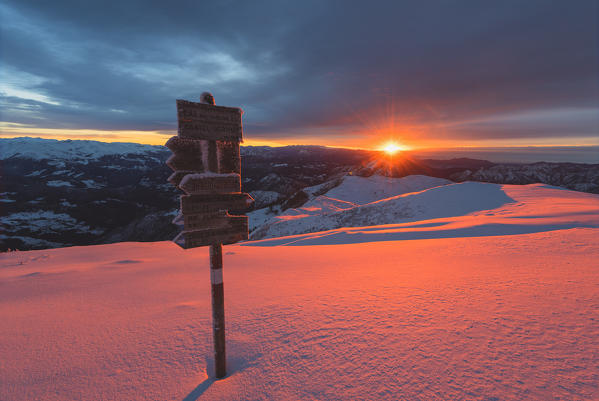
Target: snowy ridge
445,201
362,190
40,149
577,177
457,210
343,205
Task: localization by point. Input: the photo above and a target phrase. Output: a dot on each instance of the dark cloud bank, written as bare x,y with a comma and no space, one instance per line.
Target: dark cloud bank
451,69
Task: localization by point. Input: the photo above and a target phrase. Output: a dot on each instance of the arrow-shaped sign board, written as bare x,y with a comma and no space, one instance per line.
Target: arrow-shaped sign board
204,204
177,176
186,145
211,183
229,159
191,222
209,122
233,229
185,162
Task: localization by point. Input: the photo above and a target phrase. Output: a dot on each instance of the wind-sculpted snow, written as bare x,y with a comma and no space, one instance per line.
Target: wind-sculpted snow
362,190
459,210
480,318
264,198
341,194
444,201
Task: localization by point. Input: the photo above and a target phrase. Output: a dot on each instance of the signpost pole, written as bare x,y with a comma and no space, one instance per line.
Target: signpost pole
218,309
216,279
206,165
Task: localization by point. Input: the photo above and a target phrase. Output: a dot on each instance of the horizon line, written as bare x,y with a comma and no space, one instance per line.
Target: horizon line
274,144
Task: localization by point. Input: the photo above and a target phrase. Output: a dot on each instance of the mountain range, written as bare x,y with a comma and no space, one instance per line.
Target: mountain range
62,193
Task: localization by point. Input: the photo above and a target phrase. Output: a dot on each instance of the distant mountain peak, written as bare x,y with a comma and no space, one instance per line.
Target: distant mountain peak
41,149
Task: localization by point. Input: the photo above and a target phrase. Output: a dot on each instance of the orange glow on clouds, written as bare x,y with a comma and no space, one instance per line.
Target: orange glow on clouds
12,130
369,138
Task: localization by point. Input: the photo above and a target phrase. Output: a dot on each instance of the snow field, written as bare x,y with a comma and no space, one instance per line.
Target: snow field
479,292
349,192
504,317
465,209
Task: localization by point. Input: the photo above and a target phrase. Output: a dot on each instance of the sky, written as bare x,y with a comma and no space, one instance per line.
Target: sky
338,73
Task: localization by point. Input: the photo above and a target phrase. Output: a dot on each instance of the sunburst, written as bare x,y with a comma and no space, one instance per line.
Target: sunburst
391,148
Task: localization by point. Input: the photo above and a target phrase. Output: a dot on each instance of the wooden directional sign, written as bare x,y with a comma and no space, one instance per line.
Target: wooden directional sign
192,222
210,183
177,176
179,162
185,145
228,230
222,236
207,166
202,221
188,154
229,160
202,204
209,122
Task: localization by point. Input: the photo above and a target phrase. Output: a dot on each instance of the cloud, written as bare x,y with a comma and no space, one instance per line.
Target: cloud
423,69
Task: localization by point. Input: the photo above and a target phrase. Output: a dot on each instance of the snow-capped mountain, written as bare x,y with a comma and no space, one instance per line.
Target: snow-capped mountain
447,211
52,149
60,193
339,203
362,190
579,177
417,198
57,193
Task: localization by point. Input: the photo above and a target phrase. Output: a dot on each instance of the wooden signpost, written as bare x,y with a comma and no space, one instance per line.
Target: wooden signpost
207,167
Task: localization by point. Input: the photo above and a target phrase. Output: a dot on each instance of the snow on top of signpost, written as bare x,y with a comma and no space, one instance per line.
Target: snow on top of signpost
207,174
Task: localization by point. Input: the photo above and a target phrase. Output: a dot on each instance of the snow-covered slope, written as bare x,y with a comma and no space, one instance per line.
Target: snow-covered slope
509,312
478,318
51,149
338,195
510,207
567,175
121,191
362,190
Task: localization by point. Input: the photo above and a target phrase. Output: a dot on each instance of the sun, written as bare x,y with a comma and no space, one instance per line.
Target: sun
391,148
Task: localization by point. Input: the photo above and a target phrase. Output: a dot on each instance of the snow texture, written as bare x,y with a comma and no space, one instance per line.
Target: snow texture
92,184
468,313
362,190
45,221
466,209
51,149
341,194
59,183
360,201
259,217
265,198
207,174
37,242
